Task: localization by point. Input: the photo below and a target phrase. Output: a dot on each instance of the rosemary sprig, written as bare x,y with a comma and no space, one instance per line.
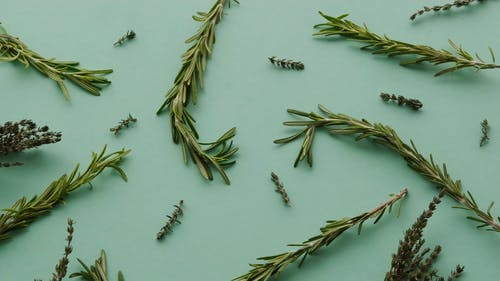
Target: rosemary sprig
445,7
341,124
62,266
485,128
13,49
383,45
22,135
411,103
96,272
275,264
130,35
411,261
24,212
172,220
280,188
124,123
217,154
288,64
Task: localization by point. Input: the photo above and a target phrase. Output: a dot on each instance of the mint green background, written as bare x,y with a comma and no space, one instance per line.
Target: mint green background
225,228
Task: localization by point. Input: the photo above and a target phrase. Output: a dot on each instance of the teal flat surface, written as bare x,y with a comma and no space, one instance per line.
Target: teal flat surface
226,227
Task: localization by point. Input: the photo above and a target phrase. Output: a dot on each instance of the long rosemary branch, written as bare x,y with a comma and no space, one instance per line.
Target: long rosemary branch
24,212
341,124
383,45
217,154
13,49
96,272
275,264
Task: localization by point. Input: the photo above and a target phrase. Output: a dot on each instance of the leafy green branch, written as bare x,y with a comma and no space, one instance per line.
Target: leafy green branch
13,49
274,265
217,154
383,45
341,124
23,212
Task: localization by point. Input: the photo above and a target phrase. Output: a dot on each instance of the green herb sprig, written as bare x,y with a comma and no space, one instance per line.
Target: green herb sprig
485,128
412,261
274,265
13,49
172,220
341,124
23,212
124,123
383,45
217,154
96,272
445,7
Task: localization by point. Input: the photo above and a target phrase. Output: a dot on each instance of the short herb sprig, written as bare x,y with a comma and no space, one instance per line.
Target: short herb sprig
445,7
485,128
275,264
172,220
217,154
130,35
22,135
124,123
383,45
23,212
401,100
13,49
96,272
62,266
288,64
341,124
411,261
280,188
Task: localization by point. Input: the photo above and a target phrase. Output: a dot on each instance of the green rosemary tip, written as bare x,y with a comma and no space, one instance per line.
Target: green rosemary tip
383,45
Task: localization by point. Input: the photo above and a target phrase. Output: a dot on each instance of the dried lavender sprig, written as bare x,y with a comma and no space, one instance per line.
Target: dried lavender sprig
280,188
412,261
172,219
62,266
124,123
127,36
485,128
401,100
445,7
22,135
284,63
274,265
23,212
341,124
383,45
13,49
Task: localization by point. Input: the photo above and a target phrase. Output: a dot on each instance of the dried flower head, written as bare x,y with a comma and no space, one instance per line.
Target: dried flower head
62,266
412,261
280,188
22,135
124,123
485,128
445,7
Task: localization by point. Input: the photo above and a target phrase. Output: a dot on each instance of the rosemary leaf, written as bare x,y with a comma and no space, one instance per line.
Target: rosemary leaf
23,212
341,124
275,264
96,272
217,154
383,45
13,49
